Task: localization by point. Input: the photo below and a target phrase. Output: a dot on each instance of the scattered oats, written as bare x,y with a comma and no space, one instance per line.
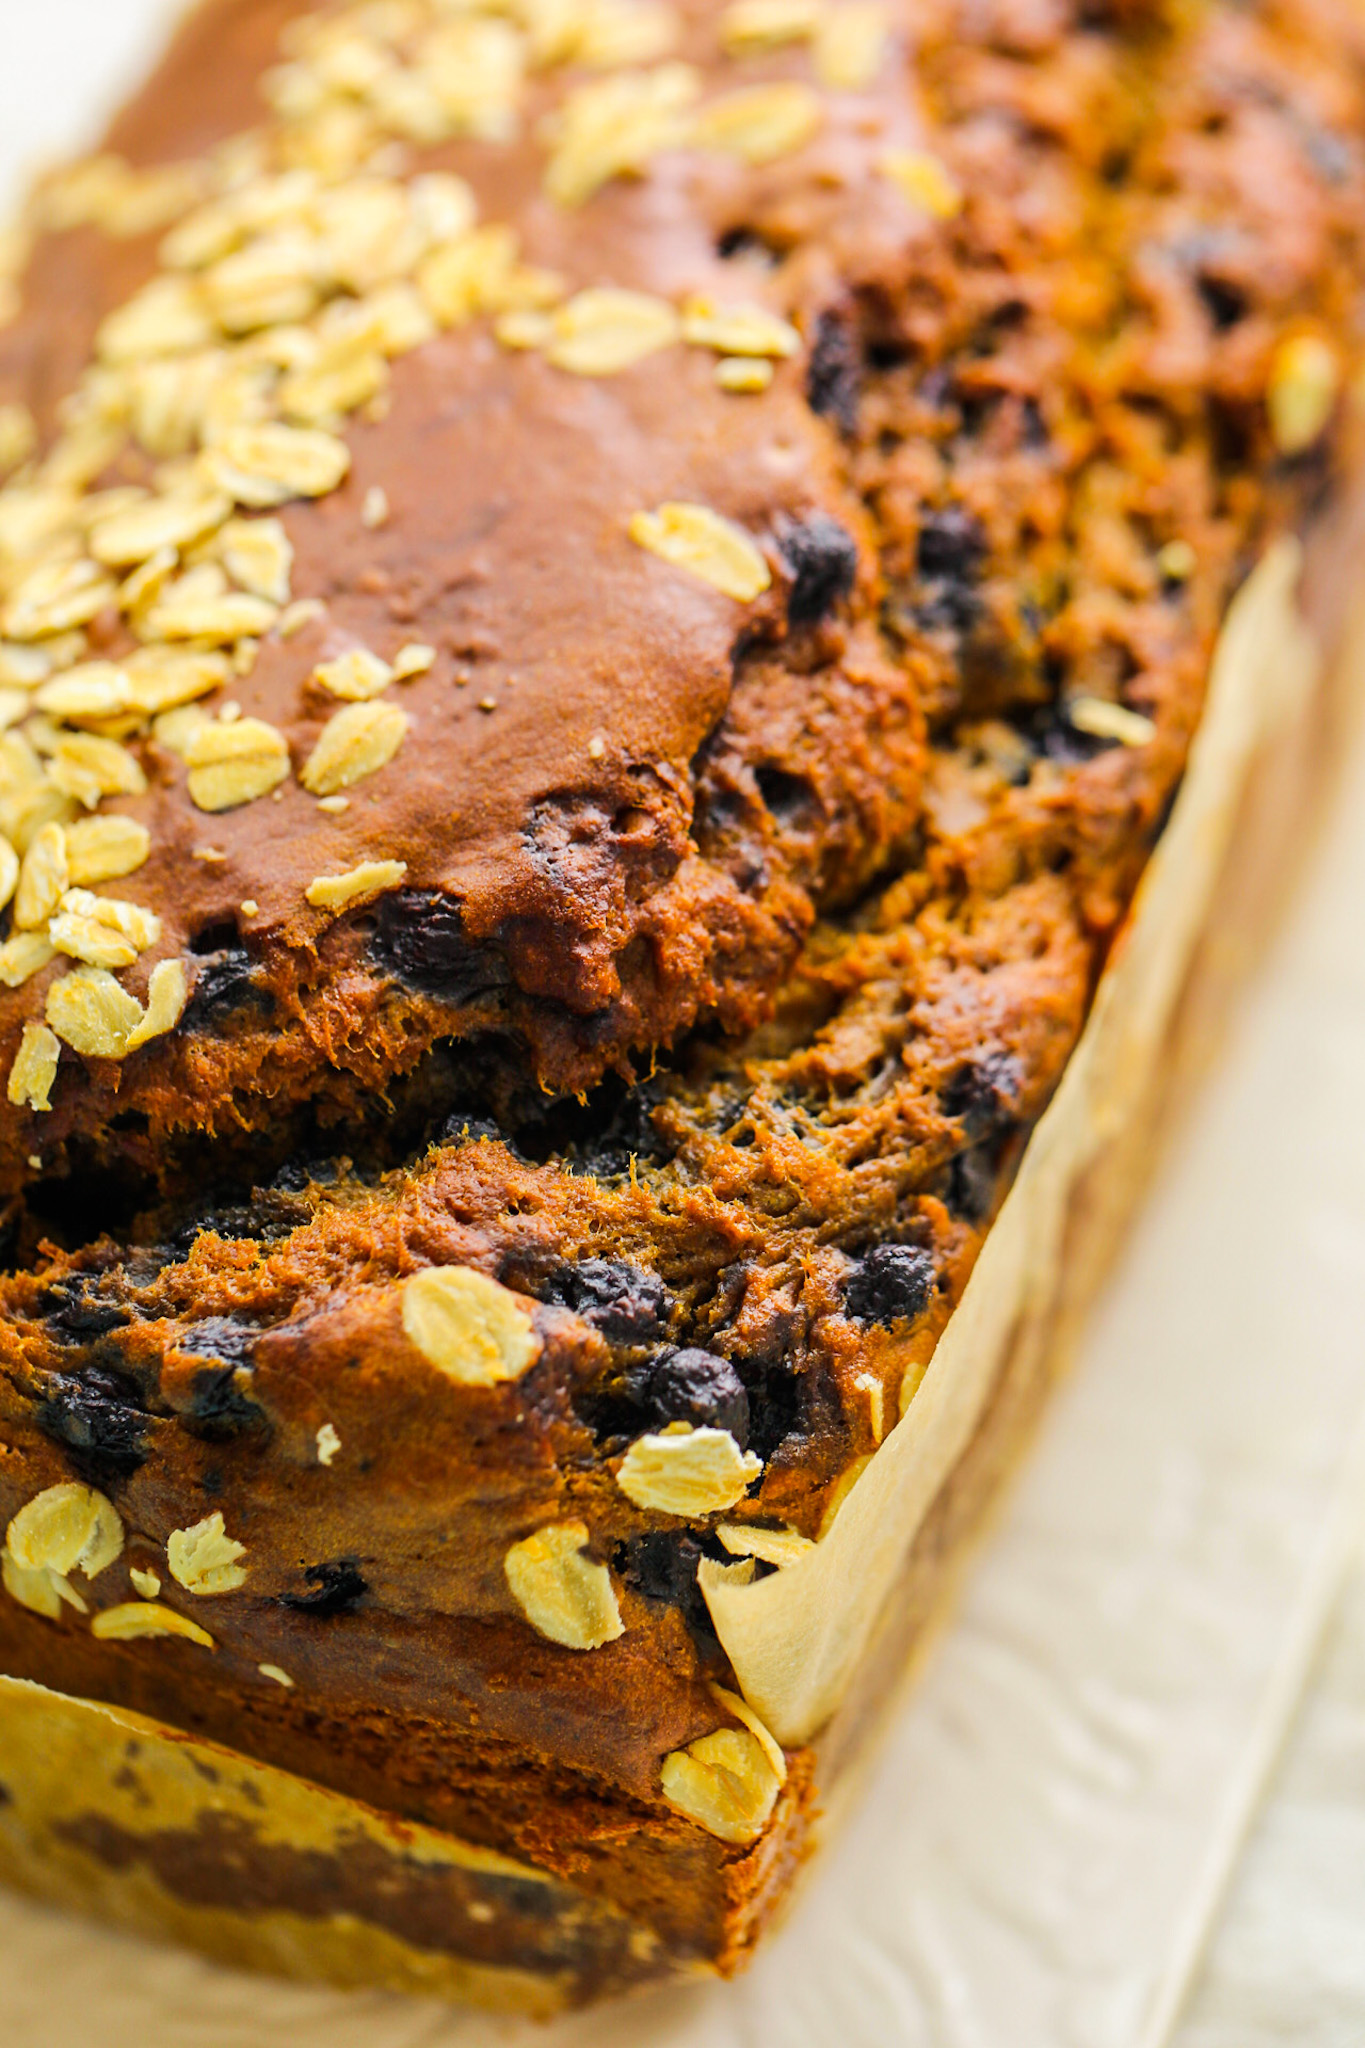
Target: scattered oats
760,122
55,596
136,1619
266,465
296,616
597,747
163,677
204,1559
42,1592
605,330
86,766
96,689
725,1782
14,705
64,1528
686,1471
166,318
700,541
412,661
1305,378
924,180
465,276
9,872
755,25
249,907
215,618
94,1013
23,956
146,584
442,205
618,32
488,703
34,1069
851,46
175,729
270,283
328,1443
234,763
354,743
1106,721
398,319
526,330
744,330
614,126
147,1585
334,805
274,1671
356,675
744,373
18,437
357,885
565,1595
35,1160
102,930
316,396
43,876
374,513
259,557
1177,561
212,854
99,849
176,521
769,1546
167,992
476,1331
734,1703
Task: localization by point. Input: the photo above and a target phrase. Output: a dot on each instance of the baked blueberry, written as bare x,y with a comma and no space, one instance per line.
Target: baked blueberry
893,1283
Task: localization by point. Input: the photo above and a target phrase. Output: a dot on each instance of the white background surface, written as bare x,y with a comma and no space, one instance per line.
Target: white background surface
1028,1866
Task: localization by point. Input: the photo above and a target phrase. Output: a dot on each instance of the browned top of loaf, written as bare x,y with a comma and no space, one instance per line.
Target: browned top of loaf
546,785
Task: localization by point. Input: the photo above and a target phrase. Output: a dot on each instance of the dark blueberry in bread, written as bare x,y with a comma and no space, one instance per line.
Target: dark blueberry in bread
663,1566
834,374
74,1312
219,1409
98,1414
335,1588
701,1388
224,982
419,940
984,1092
627,1304
894,1283
823,559
972,1180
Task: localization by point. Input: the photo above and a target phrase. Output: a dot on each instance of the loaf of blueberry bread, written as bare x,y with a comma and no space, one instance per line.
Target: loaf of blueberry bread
638,643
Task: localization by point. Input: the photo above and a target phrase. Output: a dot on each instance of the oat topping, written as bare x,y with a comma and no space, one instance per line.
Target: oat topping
564,1594
234,763
137,1619
34,1069
924,180
280,1677
476,1331
694,538
1104,720
354,743
725,1782
687,1471
358,885
328,1444
355,675
1305,378
204,1559
66,1528
146,1584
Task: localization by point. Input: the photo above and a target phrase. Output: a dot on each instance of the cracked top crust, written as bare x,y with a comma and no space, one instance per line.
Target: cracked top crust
584,697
